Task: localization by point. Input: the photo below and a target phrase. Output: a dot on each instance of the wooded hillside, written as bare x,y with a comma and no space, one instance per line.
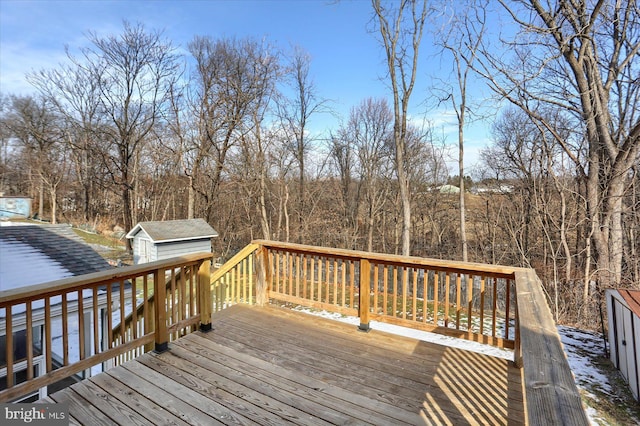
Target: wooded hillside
130,130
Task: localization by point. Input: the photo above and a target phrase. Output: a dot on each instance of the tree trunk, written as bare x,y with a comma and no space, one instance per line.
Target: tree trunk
53,199
191,199
264,219
41,200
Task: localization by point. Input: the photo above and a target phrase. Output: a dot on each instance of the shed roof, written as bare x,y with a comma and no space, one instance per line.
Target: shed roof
632,297
175,230
33,254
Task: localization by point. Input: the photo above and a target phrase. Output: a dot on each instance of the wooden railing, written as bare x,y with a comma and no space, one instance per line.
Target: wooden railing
178,282
496,305
472,301
235,281
96,303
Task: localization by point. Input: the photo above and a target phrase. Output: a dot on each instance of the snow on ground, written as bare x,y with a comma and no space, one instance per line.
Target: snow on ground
595,377
580,347
584,351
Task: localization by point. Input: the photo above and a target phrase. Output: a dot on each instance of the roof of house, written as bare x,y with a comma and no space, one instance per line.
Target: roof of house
33,254
632,297
175,230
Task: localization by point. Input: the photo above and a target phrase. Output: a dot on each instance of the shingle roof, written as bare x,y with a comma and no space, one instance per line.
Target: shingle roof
57,242
173,230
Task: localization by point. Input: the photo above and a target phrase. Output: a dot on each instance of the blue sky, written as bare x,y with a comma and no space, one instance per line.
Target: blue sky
347,62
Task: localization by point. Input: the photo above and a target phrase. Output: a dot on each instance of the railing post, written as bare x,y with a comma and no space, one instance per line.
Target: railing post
517,348
363,305
517,344
205,302
263,276
160,296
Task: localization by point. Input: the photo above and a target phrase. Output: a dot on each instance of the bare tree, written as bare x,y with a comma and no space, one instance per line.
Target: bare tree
581,58
460,36
134,71
73,89
35,124
294,113
372,127
254,159
230,81
401,35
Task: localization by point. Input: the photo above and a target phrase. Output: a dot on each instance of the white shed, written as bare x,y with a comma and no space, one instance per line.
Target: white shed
163,240
623,311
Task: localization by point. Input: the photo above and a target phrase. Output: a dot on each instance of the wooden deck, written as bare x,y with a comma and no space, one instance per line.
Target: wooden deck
274,366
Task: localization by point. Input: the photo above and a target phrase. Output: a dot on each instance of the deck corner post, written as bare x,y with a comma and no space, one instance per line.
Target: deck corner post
263,276
364,293
517,350
160,296
205,303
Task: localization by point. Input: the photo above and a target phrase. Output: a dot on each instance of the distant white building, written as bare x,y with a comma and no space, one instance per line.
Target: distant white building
172,238
449,189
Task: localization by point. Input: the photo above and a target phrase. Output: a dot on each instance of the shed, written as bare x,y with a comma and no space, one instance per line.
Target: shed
623,312
166,239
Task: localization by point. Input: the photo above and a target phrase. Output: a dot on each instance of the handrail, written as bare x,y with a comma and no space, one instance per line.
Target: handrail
51,288
235,281
234,261
467,300
95,302
551,395
448,265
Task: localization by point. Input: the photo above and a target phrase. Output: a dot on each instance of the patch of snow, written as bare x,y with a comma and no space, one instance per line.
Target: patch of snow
22,265
581,346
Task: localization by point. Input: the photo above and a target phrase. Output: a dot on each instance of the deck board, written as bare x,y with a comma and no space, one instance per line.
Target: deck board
273,366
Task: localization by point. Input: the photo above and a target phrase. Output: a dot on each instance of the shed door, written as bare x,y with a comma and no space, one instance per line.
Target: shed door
626,345
144,251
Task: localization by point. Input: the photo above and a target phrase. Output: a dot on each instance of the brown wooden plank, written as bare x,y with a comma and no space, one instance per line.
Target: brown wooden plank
141,379
375,383
204,390
331,347
109,405
332,397
242,389
141,404
81,410
551,394
382,362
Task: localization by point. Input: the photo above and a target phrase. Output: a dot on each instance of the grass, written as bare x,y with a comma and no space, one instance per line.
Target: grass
616,407
114,248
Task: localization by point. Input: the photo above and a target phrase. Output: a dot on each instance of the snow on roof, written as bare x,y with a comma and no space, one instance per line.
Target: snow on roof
34,254
57,242
174,230
22,265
